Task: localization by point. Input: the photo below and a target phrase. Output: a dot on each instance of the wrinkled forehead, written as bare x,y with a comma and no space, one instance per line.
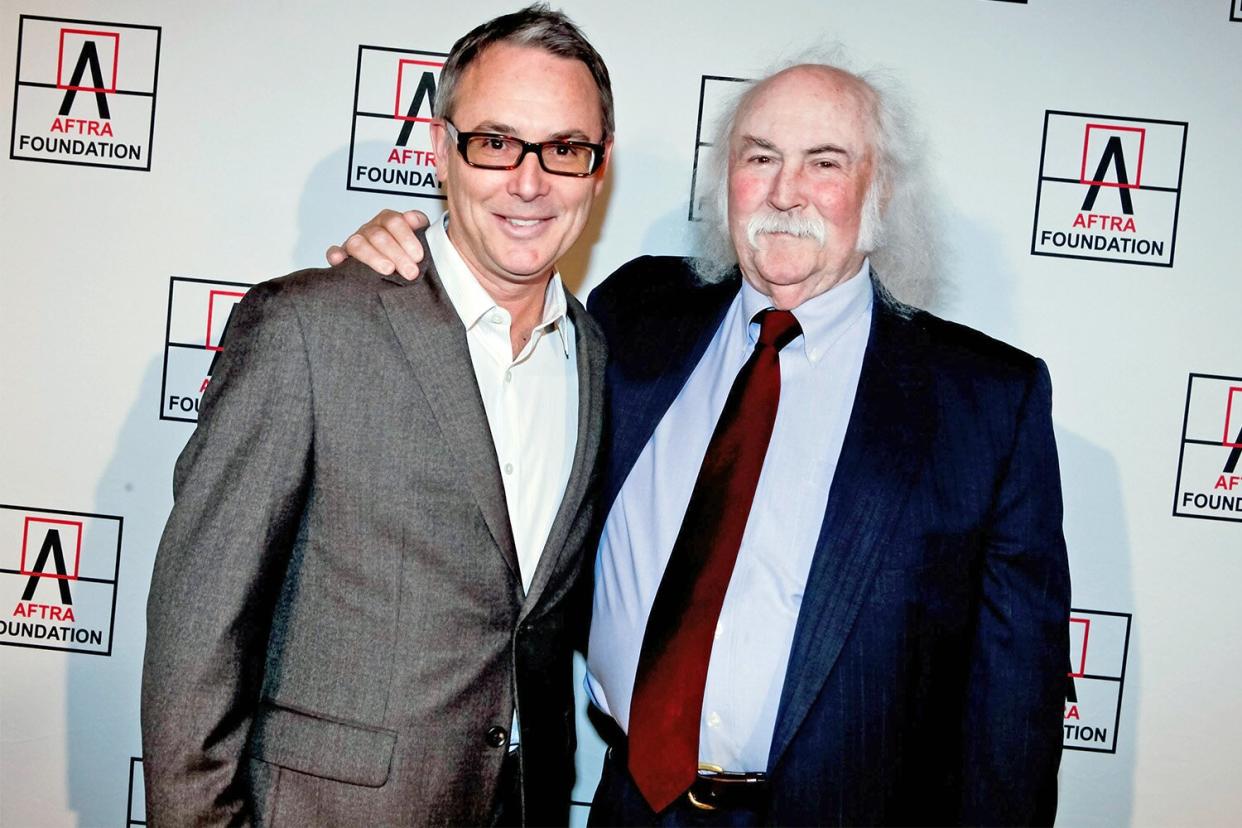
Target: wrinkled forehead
808,103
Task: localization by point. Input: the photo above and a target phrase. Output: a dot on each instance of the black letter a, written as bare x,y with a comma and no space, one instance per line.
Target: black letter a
426,89
51,543
1112,152
89,58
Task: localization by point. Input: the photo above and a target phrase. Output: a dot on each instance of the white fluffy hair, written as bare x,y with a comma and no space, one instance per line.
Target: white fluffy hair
895,227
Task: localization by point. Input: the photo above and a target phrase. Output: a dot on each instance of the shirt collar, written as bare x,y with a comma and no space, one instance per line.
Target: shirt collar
823,318
472,302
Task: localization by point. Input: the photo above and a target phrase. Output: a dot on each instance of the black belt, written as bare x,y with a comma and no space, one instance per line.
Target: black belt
713,789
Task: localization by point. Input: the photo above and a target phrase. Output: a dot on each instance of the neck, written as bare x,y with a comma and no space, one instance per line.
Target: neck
523,300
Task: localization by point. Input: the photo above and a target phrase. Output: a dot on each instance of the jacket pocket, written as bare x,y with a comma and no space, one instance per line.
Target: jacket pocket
328,748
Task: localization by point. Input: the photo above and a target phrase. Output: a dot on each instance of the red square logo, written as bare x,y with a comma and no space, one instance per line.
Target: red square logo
37,529
1233,418
411,81
1080,631
1094,143
69,55
219,305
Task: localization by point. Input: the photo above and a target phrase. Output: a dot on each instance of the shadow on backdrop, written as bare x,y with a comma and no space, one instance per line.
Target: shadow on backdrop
103,693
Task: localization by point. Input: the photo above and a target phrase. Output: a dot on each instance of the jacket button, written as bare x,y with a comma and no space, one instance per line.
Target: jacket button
496,736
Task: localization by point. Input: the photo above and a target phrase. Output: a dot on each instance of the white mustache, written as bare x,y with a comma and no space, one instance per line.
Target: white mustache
798,226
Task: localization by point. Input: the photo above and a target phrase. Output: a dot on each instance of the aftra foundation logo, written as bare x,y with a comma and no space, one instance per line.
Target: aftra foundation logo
1109,188
58,576
199,312
715,94
1209,471
85,93
390,147
1099,646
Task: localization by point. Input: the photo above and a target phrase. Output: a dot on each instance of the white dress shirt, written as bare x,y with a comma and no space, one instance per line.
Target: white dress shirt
531,400
819,376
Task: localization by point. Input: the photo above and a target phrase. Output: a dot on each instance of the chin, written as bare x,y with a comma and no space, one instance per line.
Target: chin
526,270
785,273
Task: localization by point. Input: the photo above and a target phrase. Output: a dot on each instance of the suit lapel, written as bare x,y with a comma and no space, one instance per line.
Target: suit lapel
888,430
673,341
434,341
591,362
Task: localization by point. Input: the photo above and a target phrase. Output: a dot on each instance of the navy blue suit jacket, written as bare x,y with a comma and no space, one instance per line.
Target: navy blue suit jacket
927,674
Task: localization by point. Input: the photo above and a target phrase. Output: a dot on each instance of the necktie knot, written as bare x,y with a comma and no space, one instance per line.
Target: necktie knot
777,328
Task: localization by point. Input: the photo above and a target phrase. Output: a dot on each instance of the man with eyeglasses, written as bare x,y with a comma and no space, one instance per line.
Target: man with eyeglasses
360,610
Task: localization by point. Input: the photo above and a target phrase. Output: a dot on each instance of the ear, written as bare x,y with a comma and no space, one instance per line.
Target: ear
603,168
440,141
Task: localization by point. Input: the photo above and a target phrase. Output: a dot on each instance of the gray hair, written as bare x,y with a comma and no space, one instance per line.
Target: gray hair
895,227
537,26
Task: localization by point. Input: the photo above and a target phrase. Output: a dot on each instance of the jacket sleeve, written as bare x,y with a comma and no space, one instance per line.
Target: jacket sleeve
239,488
1020,651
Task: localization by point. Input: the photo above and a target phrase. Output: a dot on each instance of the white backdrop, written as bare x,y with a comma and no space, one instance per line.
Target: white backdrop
248,168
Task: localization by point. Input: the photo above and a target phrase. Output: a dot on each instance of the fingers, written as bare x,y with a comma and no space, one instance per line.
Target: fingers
402,226
374,245
360,247
386,243
416,219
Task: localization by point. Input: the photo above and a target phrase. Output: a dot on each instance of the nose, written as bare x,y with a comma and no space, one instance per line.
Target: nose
786,192
529,181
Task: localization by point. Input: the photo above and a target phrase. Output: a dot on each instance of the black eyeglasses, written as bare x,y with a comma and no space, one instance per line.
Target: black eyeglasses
492,151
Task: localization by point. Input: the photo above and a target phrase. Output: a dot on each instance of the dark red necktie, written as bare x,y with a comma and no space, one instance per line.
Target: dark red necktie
672,666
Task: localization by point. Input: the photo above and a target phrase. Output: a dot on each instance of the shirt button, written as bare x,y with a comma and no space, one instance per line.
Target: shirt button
497,319
508,468
496,736
508,376
713,719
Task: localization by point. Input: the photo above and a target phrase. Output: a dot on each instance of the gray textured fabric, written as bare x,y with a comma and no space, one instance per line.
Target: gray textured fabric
336,620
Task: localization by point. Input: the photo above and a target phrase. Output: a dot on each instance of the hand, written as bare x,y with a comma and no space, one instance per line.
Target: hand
385,243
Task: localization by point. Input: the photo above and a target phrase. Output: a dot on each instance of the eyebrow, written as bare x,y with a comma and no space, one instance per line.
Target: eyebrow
508,129
820,149
762,143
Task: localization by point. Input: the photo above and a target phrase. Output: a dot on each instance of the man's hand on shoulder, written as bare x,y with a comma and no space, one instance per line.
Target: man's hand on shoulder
385,243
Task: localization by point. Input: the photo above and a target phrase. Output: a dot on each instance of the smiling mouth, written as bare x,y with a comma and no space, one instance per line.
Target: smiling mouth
518,227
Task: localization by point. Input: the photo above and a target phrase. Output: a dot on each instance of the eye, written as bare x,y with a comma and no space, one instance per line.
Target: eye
760,159
496,143
826,164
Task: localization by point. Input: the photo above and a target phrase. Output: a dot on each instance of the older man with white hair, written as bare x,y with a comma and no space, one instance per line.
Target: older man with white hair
831,586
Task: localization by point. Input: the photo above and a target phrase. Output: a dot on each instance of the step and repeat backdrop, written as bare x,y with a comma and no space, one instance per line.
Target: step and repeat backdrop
1084,169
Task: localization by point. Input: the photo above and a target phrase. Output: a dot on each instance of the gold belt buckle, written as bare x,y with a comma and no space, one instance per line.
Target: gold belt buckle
703,806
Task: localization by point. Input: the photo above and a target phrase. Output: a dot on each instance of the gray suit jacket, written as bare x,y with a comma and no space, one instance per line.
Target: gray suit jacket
337,632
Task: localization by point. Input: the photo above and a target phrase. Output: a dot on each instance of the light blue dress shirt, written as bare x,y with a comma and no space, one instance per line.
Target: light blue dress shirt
819,376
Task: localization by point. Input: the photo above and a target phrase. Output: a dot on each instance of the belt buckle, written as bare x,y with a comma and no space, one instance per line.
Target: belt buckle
703,806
